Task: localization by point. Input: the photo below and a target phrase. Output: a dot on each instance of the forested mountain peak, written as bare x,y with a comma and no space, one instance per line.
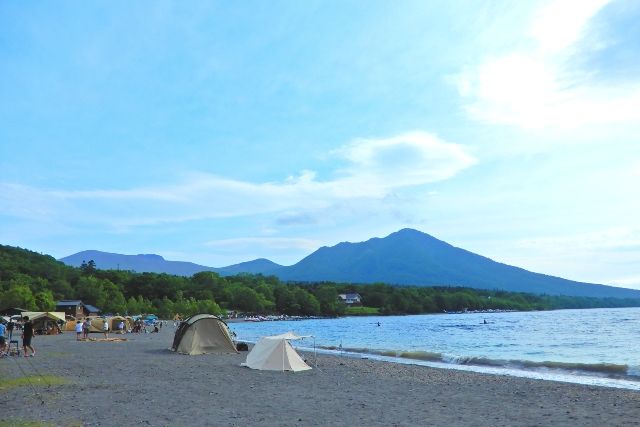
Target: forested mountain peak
405,257
35,281
411,257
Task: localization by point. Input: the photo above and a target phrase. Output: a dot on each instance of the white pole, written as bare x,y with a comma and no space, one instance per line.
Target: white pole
315,355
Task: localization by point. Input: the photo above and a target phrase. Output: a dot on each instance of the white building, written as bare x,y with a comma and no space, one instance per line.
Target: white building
350,299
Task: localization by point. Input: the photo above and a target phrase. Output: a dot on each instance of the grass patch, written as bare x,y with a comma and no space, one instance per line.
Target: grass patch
13,422
34,380
362,311
57,353
17,422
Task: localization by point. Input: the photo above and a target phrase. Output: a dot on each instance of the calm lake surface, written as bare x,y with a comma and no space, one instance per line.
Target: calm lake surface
597,346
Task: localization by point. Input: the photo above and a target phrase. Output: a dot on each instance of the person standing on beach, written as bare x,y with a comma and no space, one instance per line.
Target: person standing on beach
10,327
79,327
27,336
3,330
86,326
105,328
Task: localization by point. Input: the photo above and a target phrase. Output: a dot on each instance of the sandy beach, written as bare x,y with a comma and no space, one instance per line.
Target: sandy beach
141,382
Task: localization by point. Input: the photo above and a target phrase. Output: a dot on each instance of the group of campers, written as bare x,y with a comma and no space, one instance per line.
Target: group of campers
84,327
199,334
115,324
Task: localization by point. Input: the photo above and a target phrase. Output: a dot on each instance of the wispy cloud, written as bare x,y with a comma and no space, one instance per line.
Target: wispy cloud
541,84
413,158
296,218
260,243
627,281
608,256
611,239
375,169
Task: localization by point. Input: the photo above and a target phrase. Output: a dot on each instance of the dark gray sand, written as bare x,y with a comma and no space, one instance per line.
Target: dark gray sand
140,382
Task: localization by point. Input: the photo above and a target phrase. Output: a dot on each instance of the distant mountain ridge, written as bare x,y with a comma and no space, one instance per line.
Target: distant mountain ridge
257,266
406,257
150,263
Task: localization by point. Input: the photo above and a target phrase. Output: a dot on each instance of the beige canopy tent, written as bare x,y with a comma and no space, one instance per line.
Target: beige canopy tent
203,333
45,322
35,315
275,353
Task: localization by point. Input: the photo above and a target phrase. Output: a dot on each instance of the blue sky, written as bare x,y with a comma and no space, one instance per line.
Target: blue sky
217,133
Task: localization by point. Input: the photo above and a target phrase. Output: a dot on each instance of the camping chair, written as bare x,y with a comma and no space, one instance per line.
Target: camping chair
15,351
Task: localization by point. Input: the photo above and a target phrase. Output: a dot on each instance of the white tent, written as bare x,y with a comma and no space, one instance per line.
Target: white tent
275,353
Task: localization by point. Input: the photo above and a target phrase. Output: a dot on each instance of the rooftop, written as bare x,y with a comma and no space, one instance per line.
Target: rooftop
68,302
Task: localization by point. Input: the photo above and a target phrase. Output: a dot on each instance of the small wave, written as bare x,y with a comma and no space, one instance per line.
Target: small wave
416,355
474,360
602,368
462,326
348,349
605,369
633,371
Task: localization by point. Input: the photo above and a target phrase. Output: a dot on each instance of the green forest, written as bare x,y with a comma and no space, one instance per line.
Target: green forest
35,282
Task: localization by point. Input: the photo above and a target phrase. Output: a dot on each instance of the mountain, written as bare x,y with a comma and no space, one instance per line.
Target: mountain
410,257
157,264
406,257
260,265
139,263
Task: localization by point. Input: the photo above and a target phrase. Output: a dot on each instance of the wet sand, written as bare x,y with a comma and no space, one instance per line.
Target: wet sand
141,382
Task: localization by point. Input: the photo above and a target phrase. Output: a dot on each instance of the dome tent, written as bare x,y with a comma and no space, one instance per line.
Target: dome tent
115,321
201,334
275,353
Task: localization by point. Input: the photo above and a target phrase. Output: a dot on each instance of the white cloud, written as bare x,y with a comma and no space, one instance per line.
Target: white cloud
627,281
540,85
614,238
410,159
377,168
559,25
608,256
264,243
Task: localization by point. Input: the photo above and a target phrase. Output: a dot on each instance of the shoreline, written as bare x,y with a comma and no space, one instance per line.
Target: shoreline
139,381
541,374
583,366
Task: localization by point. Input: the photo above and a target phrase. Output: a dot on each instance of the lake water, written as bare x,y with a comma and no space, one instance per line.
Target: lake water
598,346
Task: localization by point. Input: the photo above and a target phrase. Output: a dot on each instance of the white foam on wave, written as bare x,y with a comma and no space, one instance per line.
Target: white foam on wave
634,370
512,372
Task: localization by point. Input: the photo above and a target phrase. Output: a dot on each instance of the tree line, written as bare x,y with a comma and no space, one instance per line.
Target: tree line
35,282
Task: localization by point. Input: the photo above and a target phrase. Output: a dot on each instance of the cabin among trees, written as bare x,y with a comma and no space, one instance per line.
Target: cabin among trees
351,299
76,308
